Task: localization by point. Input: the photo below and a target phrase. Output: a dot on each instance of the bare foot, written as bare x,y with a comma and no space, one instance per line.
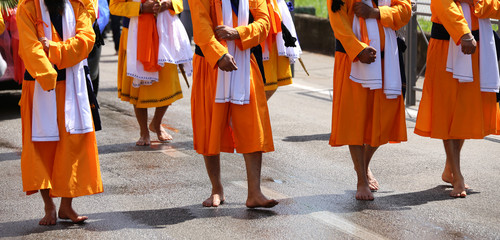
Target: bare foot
447,177
458,188
372,182
50,217
163,136
214,200
260,201
143,140
364,193
69,213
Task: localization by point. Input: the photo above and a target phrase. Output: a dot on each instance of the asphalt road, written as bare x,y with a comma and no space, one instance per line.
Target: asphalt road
156,191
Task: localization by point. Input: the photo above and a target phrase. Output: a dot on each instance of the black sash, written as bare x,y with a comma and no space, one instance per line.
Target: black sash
439,32
125,22
340,48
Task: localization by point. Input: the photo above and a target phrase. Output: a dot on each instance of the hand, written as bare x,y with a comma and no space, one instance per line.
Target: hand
165,5
468,43
45,44
365,11
227,63
368,55
224,32
150,6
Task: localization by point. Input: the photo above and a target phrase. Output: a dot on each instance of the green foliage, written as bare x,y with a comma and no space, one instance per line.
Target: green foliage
320,6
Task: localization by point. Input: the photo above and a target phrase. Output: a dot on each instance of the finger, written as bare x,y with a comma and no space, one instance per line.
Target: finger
219,27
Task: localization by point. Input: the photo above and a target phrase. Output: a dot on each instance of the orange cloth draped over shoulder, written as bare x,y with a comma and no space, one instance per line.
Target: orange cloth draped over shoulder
162,93
360,115
449,109
224,126
68,167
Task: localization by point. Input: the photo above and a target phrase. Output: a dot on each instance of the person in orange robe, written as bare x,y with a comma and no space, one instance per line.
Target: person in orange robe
362,118
224,127
67,168
277,69
450,110
159,95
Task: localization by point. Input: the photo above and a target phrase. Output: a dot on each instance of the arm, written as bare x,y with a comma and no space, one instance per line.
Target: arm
70,52
203,32
124,8
487,9
451,17
256,32
342,27
31,50
89,5
397,15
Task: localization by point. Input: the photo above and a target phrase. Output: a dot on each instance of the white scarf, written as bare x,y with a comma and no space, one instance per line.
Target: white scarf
293,53
370,75
234,86
174,48
77,114
460,64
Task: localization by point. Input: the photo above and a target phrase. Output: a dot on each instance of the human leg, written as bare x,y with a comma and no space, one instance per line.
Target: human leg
212,164
256,198
50,217
447,175
66,211
368,154
363,190
142,118
452,148
155,125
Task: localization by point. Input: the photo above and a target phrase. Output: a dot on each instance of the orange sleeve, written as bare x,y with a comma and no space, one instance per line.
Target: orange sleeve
124,8
70,52
397,15
30,49
341,22
89,5
256,32
203,33
487,9
2,24
450,15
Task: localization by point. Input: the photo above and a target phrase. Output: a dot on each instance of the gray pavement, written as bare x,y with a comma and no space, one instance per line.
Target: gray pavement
156,192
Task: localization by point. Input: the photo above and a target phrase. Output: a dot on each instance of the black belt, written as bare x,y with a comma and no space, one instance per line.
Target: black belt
340,48
61,75
197,51
439,32
125,22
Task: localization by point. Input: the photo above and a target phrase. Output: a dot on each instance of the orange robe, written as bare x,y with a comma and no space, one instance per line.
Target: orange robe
68,167
277,69
223,127
162,93
449,109
360,115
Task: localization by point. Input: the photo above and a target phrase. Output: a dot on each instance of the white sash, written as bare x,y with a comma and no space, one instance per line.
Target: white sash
174,48
234,86
460,64
370,75
77,114
293,53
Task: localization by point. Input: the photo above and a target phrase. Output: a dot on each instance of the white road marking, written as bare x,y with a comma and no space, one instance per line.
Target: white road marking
328,218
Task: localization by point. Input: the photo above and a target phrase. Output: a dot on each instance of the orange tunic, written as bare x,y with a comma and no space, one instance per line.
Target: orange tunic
68,167
162,93
277,69
360,115
223,127
449,109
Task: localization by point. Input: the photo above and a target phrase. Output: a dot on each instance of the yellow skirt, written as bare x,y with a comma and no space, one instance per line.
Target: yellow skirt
68,167
277,70
162,93
453,110
224,127
363,116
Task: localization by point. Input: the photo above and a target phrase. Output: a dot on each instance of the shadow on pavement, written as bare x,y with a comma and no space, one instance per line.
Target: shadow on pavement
10,105
155,146
306,138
